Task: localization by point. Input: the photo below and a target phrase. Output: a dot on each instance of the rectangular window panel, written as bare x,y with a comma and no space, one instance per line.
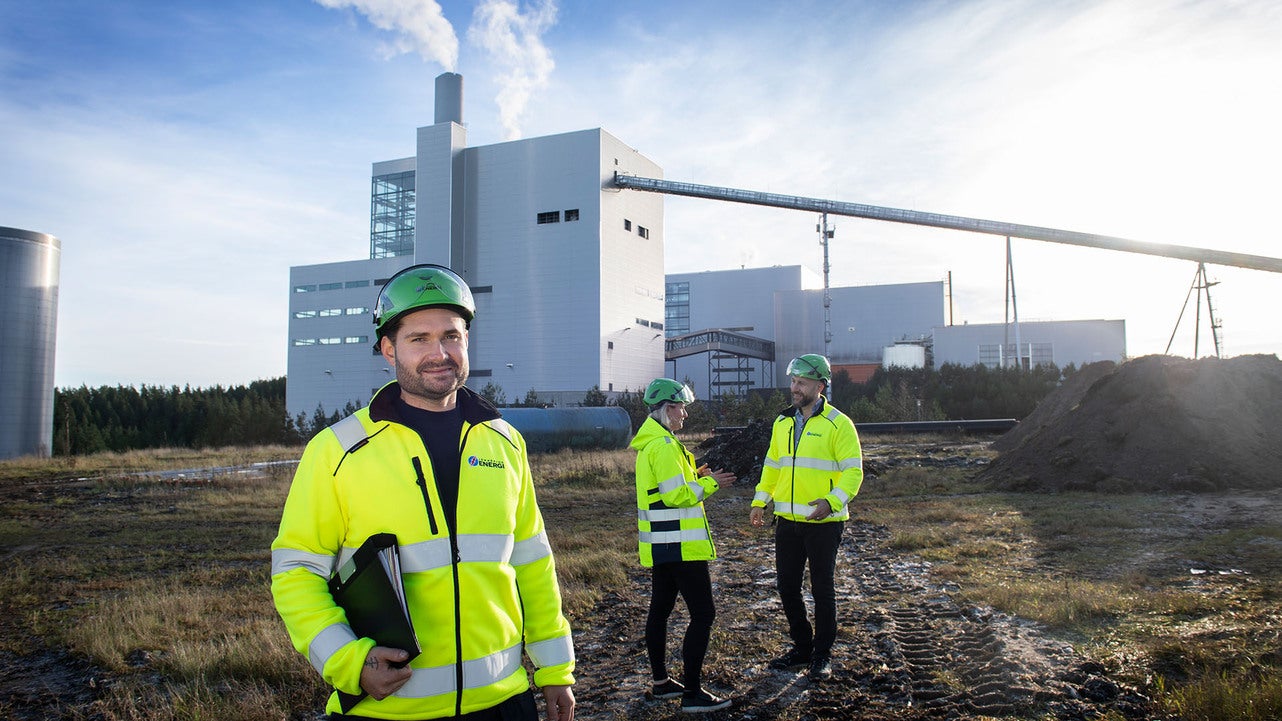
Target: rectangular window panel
643,231
627,224
330,312
571,215
305,314
391,231
355,311
330,286
356,284
304,341
676,308
356,339
552,216
331,341
304,288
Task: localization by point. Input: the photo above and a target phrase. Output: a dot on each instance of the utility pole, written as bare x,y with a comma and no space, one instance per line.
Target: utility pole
1012,305
1201,284
825,234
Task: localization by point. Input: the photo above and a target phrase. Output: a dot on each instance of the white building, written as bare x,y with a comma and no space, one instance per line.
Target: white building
567,273
1039,343
783,307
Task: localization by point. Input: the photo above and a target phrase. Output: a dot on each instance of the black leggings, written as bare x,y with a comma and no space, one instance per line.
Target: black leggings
690,579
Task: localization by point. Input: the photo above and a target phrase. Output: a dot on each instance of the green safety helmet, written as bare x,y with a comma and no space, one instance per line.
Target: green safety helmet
811,365
423,286
666,390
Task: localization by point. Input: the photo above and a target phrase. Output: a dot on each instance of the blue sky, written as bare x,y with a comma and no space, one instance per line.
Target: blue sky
188,153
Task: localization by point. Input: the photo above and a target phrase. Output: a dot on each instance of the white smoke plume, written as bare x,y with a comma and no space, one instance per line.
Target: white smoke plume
417,26
523,62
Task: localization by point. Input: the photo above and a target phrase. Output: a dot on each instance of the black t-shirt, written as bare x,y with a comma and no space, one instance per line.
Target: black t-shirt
441,432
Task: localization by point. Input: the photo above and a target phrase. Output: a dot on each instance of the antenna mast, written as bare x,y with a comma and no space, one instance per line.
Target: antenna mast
825,234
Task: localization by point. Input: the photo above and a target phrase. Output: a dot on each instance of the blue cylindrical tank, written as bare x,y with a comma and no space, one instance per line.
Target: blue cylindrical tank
547,429
29,265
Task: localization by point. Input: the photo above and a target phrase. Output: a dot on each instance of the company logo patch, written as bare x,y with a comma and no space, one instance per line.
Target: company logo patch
484,462
816,435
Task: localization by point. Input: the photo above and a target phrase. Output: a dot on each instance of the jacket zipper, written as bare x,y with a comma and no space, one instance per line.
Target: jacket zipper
795,441
422,486
458,614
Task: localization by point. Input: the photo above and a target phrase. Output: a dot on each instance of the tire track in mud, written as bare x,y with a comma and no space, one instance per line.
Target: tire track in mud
905,649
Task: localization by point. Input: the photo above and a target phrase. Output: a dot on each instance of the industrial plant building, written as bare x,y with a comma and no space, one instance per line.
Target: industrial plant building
567,272
1058,342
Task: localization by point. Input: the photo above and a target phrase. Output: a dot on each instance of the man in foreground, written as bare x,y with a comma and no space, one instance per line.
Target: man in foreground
432,462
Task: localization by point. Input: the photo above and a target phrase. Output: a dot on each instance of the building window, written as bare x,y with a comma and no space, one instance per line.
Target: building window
551,216
627,224
994,355
676,308
391,215
330,312
356,339
571,215
356,284
355,311
609,344
330,341
304,288
304,341
305,314
643,231
330,286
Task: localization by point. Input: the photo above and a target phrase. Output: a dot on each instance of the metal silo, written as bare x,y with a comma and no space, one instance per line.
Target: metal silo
28,325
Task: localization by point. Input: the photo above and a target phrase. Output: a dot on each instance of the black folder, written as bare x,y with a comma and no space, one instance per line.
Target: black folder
369,588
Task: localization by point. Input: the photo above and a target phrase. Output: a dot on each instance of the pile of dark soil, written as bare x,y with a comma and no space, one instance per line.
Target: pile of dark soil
1153,423
738,450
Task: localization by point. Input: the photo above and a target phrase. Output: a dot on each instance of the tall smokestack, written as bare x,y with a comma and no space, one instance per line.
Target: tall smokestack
449,98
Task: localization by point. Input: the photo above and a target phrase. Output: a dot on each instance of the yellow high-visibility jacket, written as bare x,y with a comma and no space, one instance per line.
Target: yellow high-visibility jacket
671,523
478,594
827,463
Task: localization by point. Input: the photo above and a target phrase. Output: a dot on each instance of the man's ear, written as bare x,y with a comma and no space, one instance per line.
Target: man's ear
388,349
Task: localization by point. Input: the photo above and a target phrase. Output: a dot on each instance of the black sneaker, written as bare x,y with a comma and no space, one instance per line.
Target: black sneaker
820,668
667,689
792,659
702,702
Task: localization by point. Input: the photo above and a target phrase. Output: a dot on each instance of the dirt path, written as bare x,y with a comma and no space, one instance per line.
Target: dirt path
905,649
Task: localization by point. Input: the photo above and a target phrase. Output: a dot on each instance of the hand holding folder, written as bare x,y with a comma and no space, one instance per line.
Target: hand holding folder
370,590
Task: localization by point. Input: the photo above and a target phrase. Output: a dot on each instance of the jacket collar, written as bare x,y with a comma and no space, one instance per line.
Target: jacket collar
821,407
472,405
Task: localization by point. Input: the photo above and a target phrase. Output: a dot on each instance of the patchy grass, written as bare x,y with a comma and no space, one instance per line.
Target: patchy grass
1181,592
164,582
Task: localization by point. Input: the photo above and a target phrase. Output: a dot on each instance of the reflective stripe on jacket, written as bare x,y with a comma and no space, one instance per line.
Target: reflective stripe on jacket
671,523
478,594
826,463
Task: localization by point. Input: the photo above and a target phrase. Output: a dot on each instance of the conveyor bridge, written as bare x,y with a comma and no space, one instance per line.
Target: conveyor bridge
952,222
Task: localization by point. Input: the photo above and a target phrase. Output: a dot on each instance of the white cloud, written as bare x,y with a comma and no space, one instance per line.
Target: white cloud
416,25
519,56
